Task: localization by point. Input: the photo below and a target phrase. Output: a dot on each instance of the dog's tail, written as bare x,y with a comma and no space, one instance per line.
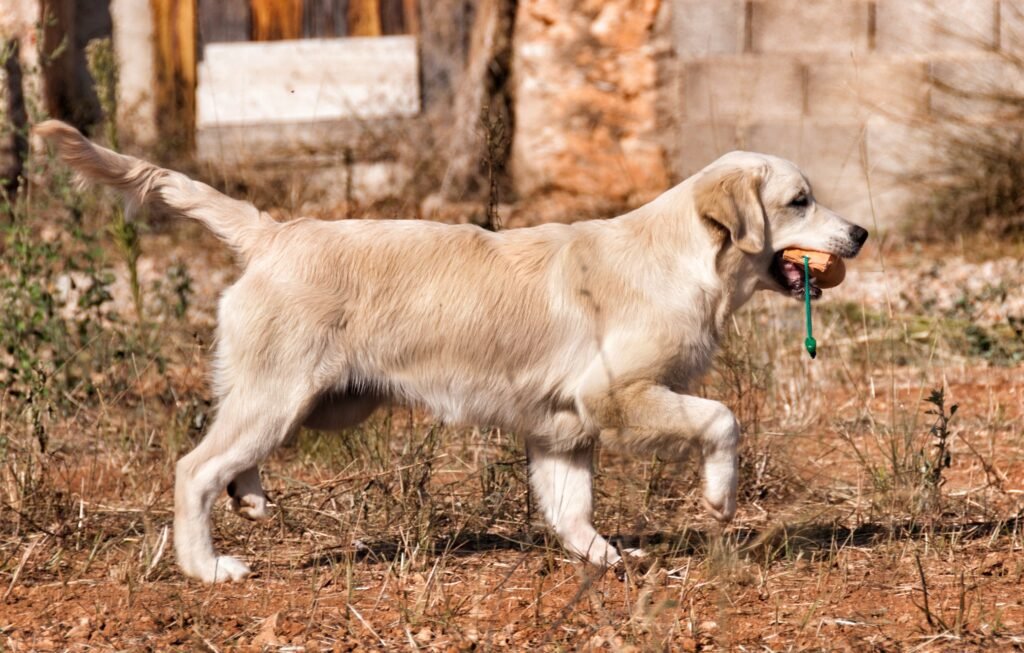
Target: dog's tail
239,224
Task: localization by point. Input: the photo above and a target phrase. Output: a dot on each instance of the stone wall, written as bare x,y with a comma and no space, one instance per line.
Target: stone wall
622,98
585,87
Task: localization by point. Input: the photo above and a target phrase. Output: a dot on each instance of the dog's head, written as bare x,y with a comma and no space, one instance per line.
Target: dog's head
766,205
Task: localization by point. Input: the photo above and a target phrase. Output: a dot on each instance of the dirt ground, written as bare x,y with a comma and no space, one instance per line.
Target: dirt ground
853,533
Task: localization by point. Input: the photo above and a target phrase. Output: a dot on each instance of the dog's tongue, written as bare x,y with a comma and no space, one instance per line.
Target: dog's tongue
794,273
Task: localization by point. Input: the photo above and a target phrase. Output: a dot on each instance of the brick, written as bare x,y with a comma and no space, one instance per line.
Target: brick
898,153
839,157
704,27
898,149
827,151
830,154
856,89
700,143
883,209
988,88
923,26
839,26
743,88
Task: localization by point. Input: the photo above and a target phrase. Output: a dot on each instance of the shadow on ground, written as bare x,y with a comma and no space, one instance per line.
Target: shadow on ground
779,540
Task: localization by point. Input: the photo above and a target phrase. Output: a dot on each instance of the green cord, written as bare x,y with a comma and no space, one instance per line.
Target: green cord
809,343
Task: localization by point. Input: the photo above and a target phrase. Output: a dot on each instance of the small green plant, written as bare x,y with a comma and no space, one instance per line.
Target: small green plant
103,66
940,458
909,475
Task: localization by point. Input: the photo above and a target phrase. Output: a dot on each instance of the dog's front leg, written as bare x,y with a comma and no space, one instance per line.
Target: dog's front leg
562,482
645,417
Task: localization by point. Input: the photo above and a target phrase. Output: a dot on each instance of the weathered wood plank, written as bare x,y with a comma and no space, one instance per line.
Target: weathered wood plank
274,20
174,32
392,17
134,47
444,30
224,21
364,18
308,80
324,19
412,16
482,94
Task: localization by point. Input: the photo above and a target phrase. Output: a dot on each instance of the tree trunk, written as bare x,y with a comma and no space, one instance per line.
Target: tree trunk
13,122
174,33
483,121
68,86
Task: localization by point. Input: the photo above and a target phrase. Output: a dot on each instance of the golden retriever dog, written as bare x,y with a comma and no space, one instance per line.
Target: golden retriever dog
567,335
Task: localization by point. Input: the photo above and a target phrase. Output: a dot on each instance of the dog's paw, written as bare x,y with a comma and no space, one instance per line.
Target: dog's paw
723,512
251,506
633,554
218,569
632,563
223,569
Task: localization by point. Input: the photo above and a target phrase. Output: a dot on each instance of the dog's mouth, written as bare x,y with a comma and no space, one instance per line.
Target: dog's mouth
790,276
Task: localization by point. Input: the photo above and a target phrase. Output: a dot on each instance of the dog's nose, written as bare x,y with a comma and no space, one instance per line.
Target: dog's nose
859,234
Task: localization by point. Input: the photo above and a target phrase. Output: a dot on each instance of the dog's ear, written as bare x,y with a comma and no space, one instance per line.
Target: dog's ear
732,198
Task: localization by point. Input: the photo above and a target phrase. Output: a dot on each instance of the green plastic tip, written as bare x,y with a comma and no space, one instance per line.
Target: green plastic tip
809,343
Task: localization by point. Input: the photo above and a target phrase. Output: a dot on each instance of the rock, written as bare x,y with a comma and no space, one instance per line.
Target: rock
267,636
424,635
585,90
707,626
80,631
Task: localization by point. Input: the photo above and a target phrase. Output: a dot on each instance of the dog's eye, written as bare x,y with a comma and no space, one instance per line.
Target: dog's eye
800,200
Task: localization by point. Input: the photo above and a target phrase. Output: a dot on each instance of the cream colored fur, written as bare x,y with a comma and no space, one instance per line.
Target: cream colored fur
565,334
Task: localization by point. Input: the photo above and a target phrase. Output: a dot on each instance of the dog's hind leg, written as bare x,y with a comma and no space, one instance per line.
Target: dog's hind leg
332,412
249,425
247,496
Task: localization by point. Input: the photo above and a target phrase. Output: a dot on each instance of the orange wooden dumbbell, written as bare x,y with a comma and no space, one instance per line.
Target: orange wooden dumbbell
827,269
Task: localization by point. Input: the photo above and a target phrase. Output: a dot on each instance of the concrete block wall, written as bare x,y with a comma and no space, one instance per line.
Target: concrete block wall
853,91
